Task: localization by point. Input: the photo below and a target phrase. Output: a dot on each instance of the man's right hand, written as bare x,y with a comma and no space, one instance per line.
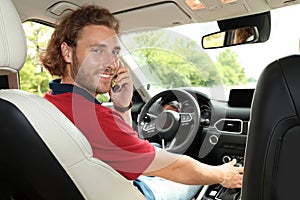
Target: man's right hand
232,176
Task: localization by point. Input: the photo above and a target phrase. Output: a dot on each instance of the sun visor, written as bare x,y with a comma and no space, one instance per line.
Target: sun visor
152,16
262,21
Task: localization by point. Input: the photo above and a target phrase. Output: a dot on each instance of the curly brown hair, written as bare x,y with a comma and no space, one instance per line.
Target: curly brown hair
69,29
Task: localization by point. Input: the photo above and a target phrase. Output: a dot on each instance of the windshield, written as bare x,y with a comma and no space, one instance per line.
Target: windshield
173,57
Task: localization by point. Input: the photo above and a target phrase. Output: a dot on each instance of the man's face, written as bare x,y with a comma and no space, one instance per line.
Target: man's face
96,58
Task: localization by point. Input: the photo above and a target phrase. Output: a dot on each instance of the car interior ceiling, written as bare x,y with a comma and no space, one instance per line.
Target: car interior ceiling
138,12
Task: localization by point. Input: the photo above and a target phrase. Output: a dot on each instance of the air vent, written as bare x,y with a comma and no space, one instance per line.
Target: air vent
234,126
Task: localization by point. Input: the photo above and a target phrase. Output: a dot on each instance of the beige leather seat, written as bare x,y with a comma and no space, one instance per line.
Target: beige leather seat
43,155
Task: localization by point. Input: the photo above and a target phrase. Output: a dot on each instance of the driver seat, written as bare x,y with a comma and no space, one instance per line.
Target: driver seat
43,155
271,162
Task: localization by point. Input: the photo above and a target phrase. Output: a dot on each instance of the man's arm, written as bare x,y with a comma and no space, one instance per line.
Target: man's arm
184,169
122,98
126,116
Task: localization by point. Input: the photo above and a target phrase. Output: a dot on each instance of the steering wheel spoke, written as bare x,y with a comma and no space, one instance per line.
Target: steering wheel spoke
148,129
186,118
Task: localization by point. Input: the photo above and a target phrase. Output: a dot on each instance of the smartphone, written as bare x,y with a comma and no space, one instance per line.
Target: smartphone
115,87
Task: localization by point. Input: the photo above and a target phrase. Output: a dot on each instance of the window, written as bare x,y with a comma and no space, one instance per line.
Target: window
33,77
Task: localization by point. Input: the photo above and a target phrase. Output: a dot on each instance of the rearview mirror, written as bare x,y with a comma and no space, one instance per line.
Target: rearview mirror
230,37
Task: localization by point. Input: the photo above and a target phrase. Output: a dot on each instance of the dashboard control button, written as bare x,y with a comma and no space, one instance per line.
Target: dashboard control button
213,139
226,159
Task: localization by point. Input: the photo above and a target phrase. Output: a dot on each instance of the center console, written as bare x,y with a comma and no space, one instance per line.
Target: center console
218,192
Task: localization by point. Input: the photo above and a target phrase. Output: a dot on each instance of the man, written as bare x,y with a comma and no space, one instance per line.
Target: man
84,52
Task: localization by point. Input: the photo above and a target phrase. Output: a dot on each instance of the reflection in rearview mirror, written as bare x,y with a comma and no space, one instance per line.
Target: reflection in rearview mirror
230,37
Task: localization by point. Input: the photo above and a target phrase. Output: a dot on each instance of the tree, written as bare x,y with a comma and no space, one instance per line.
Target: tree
205,72
33,77
231,71
175,59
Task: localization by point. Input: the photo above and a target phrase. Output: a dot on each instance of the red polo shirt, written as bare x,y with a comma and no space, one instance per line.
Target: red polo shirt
112,139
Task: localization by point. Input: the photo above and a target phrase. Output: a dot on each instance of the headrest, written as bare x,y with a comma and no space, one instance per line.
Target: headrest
13,46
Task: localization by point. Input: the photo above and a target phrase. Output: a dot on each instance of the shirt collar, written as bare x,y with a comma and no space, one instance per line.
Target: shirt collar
61,88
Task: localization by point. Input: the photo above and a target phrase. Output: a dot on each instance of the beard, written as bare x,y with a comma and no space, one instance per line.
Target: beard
84,77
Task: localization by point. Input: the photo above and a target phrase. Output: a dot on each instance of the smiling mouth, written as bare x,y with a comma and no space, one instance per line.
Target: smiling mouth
108,73
104,75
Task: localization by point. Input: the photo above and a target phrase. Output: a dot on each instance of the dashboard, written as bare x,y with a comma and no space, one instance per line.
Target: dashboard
223,125
221,134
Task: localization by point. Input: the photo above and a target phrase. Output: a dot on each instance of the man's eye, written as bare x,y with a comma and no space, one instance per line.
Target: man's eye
115,53
98,51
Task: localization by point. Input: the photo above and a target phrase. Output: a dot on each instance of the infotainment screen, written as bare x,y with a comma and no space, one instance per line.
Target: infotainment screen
240,97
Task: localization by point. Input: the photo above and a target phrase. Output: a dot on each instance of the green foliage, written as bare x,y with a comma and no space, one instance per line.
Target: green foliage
231,71
159,64
33,77
252,80
102,98
172,60
32,81
214,40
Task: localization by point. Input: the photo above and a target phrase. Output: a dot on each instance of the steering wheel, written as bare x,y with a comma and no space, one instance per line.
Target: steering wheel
176,130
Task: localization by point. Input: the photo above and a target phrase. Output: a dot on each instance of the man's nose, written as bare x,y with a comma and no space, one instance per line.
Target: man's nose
111,60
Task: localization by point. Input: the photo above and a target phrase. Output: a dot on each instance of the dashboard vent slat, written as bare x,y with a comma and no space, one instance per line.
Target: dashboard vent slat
234,126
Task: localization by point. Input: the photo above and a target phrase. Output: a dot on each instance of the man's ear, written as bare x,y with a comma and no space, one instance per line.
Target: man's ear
66,52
